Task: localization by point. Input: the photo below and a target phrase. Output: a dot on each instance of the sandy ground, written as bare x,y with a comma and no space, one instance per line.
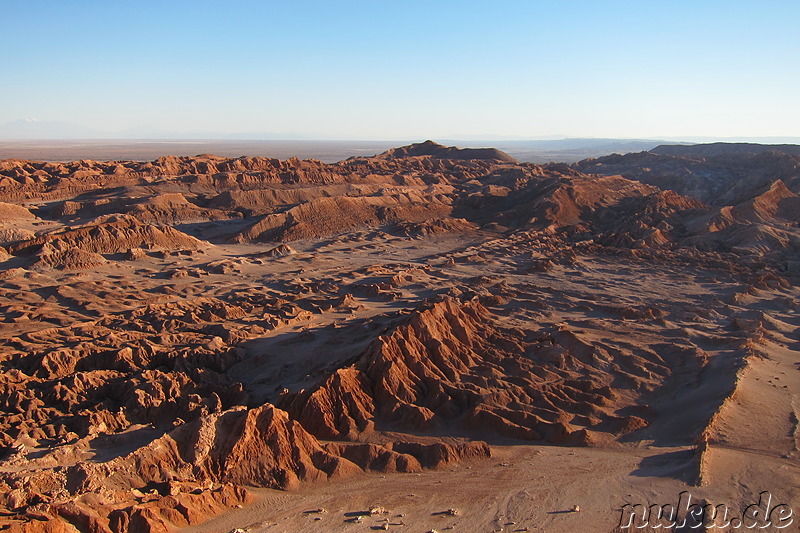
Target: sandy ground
522,488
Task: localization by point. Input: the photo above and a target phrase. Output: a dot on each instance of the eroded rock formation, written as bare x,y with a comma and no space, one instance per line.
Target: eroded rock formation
176,330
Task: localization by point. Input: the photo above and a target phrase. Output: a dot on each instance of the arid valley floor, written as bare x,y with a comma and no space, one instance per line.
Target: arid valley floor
446,337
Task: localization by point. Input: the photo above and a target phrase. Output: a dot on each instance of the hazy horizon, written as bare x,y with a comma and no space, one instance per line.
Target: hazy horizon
328,151
65,131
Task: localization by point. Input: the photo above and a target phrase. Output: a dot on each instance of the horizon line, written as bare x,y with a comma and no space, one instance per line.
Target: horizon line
693,138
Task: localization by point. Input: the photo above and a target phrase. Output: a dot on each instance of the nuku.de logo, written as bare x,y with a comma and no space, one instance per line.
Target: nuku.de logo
687,514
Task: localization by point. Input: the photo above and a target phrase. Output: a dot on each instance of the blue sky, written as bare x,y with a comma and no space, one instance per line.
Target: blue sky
399,70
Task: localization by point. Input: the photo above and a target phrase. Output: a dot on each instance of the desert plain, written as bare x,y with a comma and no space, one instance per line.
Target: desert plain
428,339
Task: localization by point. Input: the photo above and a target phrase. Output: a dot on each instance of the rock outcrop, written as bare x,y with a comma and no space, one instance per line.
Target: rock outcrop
438,151
447,365
111,234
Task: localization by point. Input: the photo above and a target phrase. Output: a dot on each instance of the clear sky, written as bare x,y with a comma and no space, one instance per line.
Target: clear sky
406,69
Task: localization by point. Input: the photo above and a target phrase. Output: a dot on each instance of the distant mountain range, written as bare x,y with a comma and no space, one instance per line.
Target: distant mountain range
566,150
718,149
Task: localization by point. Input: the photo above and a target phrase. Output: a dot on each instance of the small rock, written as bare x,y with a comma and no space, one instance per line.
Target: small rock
16,498
174,488
39,511
576,509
